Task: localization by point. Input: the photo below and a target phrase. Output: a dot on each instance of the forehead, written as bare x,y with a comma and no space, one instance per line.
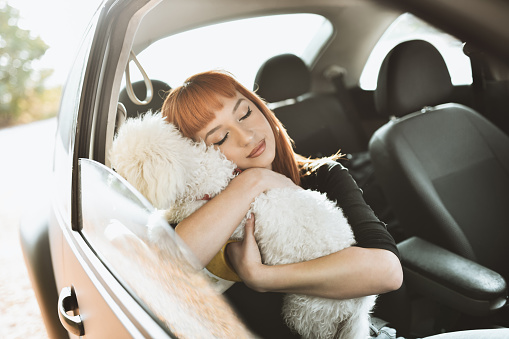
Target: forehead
226,105
223,108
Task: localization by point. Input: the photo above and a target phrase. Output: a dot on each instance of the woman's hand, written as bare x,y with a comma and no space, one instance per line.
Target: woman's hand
350,273
245,258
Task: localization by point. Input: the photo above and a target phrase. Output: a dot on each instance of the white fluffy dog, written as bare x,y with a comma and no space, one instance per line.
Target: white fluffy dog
175,174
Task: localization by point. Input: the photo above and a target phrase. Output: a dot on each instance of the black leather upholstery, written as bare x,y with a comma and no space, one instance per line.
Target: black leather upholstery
315,121
160,89
445,171
469,287
446,174
282,77
413,75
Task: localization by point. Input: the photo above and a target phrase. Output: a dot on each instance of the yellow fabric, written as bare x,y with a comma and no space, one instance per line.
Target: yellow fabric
220,267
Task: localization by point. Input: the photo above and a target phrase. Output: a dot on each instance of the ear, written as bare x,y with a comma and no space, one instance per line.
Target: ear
217,170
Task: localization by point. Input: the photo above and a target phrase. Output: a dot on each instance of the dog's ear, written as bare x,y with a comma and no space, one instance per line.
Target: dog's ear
154,157
218,170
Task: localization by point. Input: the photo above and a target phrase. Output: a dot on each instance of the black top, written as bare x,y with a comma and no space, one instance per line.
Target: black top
336,182
261,312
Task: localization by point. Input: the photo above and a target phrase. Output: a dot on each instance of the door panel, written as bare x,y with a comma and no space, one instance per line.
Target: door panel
131,273
104,306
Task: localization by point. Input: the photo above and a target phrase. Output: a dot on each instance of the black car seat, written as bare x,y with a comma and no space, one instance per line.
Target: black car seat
443,167
315,121
160,90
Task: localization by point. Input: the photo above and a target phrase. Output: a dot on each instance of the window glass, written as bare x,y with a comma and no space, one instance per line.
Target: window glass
143,252
239,47
72,91
408,27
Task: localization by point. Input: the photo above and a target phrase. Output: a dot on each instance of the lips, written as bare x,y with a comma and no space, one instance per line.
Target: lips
258,150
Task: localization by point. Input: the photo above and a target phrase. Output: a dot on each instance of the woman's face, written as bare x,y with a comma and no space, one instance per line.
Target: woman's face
242,133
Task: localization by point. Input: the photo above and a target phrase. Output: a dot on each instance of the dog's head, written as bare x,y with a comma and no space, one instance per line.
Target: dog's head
165,166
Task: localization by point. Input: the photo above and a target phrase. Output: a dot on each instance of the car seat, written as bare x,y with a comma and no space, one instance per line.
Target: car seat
160,90
444,169
317,122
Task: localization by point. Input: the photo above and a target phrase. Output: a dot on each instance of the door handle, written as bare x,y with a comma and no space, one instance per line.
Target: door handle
67,302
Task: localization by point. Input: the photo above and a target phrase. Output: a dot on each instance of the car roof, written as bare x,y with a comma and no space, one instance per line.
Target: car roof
358,24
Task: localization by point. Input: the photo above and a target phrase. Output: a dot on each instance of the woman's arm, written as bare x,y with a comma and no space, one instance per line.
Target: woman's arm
207,229
352,272
371,267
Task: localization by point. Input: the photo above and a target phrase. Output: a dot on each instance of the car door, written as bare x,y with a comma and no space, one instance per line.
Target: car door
119,268
93,301
129,275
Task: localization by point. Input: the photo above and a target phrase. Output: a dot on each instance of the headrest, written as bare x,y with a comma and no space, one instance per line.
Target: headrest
282,77
413,75
140,89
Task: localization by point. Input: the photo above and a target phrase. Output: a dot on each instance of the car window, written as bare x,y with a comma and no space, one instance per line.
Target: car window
408,27
143,252
235,46
71,95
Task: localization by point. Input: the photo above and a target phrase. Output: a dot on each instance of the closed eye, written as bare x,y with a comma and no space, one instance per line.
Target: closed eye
220,142
247,114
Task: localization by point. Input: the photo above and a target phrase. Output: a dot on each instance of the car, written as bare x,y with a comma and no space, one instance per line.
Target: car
329,70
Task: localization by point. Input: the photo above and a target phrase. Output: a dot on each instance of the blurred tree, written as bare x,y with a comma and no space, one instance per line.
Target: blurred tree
18,79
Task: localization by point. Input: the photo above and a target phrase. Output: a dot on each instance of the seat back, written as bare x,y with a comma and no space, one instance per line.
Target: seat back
445,169
315,121
160,90
412,76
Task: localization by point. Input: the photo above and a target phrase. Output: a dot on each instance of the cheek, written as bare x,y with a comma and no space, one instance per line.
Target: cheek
229,153
261,124
269,131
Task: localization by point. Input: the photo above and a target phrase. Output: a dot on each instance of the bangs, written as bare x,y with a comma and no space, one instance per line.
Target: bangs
191,106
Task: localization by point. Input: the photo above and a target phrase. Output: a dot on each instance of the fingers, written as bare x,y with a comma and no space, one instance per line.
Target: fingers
249,227
245,256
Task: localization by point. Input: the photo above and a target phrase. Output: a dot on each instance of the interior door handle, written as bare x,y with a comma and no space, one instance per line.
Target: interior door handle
67,302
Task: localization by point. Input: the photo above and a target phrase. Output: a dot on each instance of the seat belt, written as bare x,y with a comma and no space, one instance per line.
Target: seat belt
336,75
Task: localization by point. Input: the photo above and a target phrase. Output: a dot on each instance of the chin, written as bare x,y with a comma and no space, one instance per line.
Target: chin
264,163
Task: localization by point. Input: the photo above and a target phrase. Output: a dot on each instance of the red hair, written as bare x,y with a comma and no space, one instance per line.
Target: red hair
191,107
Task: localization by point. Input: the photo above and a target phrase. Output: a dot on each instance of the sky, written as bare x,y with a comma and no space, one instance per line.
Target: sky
60,23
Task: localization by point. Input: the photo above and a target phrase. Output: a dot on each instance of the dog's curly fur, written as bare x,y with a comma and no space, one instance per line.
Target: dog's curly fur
175,173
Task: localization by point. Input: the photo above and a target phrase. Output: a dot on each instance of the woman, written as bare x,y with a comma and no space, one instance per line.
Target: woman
214,107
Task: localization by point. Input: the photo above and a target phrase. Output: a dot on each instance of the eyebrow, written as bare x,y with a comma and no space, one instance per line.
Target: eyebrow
237,104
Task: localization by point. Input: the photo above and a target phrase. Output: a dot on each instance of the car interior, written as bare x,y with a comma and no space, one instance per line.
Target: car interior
431,157
442,166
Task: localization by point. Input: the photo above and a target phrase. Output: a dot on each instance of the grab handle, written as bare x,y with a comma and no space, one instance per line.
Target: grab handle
129,84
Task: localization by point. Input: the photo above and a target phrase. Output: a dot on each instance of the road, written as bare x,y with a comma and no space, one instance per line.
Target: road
25,153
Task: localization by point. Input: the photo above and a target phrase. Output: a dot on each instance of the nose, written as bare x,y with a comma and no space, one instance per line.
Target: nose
245,135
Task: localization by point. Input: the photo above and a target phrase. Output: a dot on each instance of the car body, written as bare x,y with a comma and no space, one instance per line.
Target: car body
102,287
